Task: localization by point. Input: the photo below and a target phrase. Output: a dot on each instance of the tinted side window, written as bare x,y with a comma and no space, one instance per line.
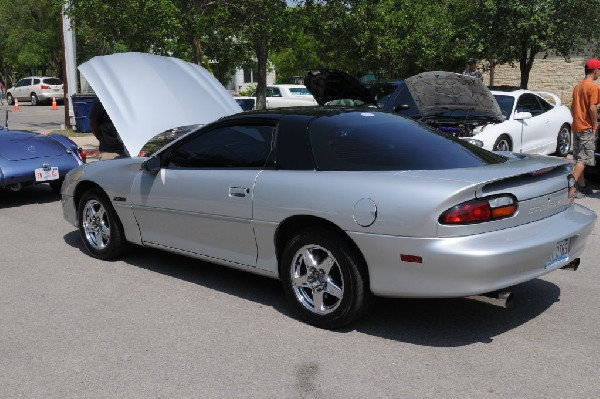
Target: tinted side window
237,146
23,82
376,141
529,103
36,81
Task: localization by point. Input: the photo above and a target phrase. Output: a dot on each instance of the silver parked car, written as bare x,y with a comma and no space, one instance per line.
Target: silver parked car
341,205
37,89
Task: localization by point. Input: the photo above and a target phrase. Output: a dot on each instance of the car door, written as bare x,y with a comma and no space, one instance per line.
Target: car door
535,129
274,97
200,201
21,91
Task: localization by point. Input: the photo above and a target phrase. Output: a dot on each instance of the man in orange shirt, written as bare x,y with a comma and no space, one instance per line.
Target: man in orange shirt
586,97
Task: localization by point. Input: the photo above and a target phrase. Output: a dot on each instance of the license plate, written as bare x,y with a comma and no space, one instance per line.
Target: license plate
45,174
561,252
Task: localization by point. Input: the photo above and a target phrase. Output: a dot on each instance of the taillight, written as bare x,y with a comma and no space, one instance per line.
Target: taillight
82,154
44,87
481,210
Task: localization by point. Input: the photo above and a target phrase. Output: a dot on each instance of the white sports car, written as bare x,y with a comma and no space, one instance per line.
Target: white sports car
531,124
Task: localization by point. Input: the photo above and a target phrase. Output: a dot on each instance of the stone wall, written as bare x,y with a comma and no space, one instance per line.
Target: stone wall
552,74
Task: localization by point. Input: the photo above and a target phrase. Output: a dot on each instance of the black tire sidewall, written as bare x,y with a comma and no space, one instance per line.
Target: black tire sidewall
356,291
116,244
503,137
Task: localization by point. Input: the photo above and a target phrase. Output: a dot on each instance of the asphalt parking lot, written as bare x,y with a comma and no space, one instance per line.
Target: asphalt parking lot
157,325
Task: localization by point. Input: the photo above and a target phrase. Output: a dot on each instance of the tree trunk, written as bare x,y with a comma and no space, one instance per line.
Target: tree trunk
261,44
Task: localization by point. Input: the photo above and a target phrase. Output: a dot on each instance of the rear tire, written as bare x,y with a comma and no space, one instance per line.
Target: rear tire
34,99
563,141
503,143
99,226
325,278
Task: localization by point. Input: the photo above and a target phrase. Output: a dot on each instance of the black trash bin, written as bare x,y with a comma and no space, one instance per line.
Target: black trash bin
82,106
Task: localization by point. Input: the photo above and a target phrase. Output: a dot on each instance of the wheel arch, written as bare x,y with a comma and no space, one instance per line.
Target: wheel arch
294,224
81,188
510,138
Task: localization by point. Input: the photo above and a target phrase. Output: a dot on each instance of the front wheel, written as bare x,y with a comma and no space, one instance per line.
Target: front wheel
503,143
563,141
99,226
9,99
325,278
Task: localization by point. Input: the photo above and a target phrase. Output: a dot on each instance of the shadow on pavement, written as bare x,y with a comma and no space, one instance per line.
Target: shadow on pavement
37,194
425,322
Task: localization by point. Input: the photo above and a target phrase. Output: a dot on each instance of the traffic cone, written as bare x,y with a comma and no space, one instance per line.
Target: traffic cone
16,108
54,106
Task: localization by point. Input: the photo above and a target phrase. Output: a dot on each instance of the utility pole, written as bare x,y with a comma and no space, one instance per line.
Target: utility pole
69,64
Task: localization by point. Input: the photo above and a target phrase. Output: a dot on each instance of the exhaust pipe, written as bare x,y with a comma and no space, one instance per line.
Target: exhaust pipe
574,265
502,298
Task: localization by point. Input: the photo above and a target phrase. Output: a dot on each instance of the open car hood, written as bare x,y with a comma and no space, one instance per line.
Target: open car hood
328,85
146,94
436,93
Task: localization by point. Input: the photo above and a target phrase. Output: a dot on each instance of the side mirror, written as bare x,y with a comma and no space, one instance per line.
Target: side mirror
152,164
519,116
401,107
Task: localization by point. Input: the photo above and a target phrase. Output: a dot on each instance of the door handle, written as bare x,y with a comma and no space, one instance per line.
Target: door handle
238,191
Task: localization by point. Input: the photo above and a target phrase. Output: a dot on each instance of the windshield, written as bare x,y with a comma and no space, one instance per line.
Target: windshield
506,104
382,93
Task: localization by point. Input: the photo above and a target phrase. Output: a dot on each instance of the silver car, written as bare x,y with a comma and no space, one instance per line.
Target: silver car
37,89
341,205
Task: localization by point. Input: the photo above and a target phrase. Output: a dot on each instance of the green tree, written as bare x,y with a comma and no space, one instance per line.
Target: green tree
30,38
516,31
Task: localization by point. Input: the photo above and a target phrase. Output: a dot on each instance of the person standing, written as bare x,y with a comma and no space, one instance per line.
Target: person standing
110,144
1,93
471,70
586,97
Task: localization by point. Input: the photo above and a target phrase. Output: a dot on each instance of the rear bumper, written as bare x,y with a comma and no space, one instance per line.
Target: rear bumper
47,96
472,265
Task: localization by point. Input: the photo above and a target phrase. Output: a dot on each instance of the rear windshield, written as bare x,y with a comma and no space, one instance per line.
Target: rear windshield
53,81
378,141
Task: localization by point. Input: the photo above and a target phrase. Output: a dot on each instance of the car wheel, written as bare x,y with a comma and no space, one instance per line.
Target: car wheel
9,99
325,278
99,226
34,99
55,185
563,141
503,143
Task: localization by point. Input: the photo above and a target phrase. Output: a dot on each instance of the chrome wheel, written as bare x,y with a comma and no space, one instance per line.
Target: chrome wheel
96,225
563,141
317,280
34,99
